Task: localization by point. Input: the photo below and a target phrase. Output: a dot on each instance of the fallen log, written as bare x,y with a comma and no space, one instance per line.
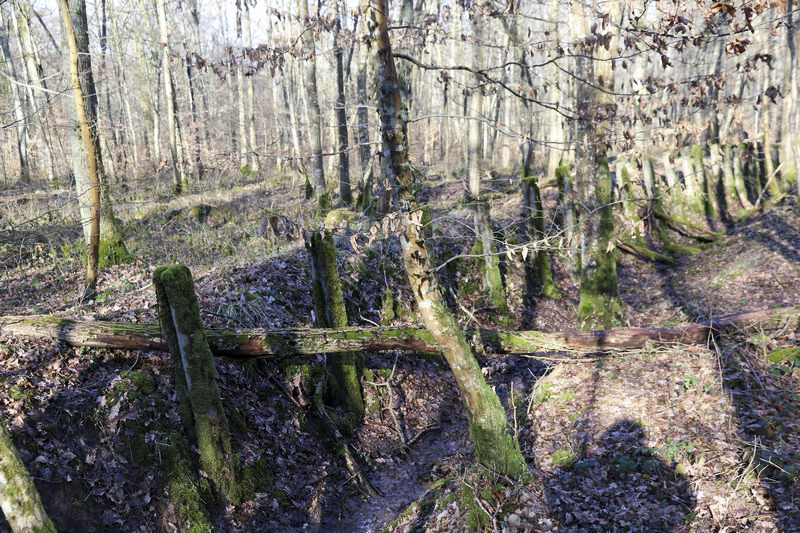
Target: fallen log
248,343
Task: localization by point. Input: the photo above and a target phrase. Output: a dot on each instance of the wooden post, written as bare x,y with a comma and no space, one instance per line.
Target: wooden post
194,371
344,376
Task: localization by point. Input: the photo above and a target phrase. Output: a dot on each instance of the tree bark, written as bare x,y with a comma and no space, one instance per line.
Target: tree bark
21,128
345,192
90,143
494,446
180,181
599,297
112,249
38,102
19,499
285,343
344,381
314,118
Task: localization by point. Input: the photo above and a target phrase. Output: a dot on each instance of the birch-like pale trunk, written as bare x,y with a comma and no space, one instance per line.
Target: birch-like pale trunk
314,118
180,181
36,95
21,126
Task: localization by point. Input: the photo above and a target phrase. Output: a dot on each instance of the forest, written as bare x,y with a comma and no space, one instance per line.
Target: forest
399,266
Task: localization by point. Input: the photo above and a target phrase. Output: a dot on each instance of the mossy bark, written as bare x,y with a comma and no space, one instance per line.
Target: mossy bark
490,261
195,376
344,371
19,499
494,445
540,273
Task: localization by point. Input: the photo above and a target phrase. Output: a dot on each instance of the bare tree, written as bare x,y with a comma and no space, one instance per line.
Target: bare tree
494,446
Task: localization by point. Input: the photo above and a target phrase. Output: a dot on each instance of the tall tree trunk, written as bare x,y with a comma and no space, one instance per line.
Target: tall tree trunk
599,305
21,128
789,160
362,112
36,95
90,141
180,181
112,249
494,446
252,143
345,192
124,92
314,119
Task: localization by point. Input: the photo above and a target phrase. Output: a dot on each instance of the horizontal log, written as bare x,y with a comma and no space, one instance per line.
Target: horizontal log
249,343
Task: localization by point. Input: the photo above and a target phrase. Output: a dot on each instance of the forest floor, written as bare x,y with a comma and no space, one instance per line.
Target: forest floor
667,438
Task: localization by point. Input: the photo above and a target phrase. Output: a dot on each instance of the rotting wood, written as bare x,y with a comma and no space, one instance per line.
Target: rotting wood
248,343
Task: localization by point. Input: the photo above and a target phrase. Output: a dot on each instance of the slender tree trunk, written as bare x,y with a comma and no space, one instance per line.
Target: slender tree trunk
494,446
314,118
124,92
180,181
362,112
599,305
252,143
21,127
345,192
36,96
90,142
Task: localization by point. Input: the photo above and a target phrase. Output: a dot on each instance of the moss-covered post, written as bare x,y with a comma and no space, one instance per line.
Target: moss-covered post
540,275
344,371
495,446
19,499
195,376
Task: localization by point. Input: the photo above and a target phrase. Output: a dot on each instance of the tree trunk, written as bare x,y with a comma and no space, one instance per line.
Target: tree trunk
21,128
112,249
599,305
180,181
252,142
90,141
345,192
314,118
20,18
494,446
287,343
19,499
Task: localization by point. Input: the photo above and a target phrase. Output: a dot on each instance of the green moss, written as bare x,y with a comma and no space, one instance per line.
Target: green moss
323,205
18,492
194,372
340,218
387,309
476,518
189,494
563,458
113,252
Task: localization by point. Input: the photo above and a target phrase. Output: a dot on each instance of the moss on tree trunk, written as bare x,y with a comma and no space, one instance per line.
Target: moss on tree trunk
19,499
490,261
494,445
344,371
540,273
195,377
